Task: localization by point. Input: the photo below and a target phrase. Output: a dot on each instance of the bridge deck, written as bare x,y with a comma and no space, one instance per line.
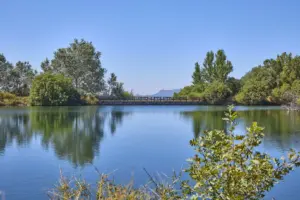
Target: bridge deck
151,101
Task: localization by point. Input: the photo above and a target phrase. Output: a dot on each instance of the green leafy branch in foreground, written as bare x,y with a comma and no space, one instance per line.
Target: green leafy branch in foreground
226,166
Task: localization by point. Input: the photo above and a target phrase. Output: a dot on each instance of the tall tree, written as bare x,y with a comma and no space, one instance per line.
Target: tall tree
197,74
46,66
81,62
16,79
21,78
112,80
216,67
116,88
5,69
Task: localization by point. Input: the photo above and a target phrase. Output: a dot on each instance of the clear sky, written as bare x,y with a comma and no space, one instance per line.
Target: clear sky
152,44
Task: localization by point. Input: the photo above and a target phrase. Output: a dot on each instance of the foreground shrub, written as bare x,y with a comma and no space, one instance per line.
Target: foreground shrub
53,90
227,166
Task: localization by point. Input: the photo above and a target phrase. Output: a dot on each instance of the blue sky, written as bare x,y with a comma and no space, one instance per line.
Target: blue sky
152,44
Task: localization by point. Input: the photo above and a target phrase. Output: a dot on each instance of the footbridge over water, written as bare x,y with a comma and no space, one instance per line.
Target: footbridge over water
150,101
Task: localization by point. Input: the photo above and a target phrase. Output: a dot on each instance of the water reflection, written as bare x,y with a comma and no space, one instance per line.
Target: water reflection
282,128
74,133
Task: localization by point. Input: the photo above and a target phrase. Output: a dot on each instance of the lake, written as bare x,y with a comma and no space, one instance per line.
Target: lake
36,142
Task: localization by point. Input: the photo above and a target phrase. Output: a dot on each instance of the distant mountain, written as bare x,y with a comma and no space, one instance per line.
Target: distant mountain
165,93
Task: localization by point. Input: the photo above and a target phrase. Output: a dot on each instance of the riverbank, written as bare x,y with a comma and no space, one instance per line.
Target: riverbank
9,99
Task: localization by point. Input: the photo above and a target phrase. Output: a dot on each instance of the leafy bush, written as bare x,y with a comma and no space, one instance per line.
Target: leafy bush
199,88
234,85
296,87
253,93
184,92
53,89
216,92
281,94
195,95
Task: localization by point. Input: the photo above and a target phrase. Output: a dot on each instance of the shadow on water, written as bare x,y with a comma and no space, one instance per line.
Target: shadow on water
75,133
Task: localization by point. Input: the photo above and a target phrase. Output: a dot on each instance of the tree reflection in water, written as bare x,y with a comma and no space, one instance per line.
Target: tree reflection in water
282,128
74,133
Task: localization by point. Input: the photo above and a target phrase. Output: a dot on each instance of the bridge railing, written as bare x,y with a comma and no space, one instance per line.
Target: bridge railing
148,99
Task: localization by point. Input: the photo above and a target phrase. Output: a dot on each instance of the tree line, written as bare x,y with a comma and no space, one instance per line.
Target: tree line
276,81
74,72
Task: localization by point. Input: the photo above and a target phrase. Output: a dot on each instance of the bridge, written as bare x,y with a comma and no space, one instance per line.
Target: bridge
150,101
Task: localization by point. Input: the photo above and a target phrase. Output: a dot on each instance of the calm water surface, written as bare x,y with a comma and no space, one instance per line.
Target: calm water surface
36,142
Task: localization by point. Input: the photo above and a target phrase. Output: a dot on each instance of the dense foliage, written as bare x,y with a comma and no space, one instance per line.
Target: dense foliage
211,83
16,79
275,82
272,82
53,89
227,166
79,62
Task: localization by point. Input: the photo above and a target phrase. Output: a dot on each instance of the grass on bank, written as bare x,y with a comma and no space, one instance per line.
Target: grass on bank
107,189
8,99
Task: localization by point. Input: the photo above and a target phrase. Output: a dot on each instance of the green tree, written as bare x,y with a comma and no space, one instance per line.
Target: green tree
16,79
21,78
53,89
257,86
234,85
184,92
216,92
5,70
80,62
46,66
227,165
197,74
216,67
290,70
116,89
112,81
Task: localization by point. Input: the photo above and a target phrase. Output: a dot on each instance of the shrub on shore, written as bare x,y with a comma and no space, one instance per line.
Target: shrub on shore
53,90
